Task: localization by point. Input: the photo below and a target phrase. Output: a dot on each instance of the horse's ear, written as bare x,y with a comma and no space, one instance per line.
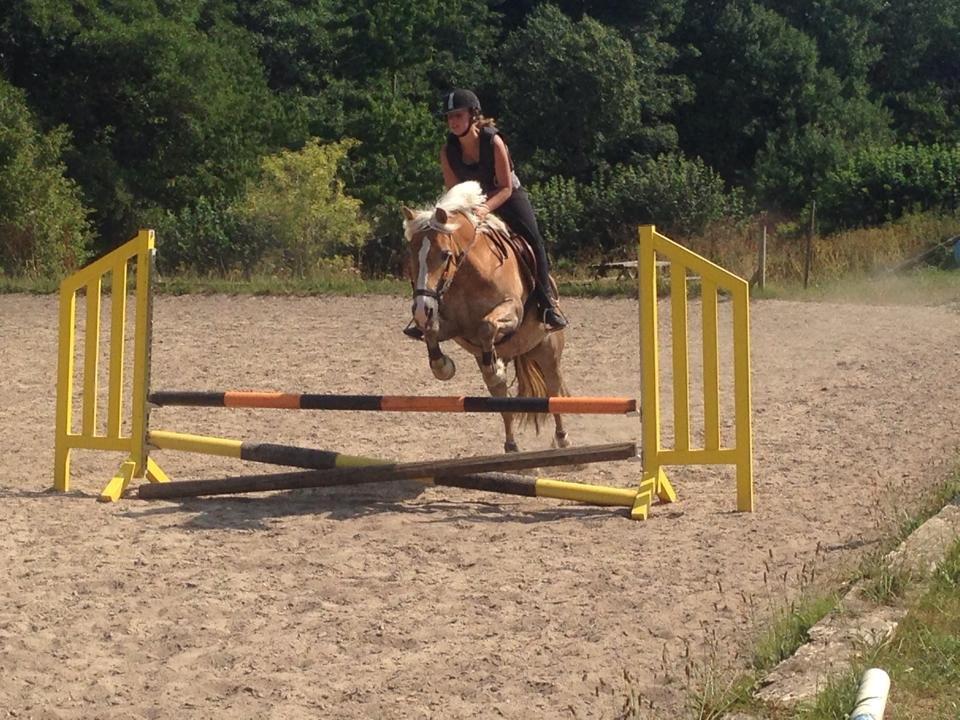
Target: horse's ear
407,213
440,215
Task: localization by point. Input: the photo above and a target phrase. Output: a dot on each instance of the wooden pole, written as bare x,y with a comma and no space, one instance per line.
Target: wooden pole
808,259
394,403
763,259
395,471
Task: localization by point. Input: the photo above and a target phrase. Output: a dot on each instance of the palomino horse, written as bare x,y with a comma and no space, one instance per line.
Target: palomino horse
471,287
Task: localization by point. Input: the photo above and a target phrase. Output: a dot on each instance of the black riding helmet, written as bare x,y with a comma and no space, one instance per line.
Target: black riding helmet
460,100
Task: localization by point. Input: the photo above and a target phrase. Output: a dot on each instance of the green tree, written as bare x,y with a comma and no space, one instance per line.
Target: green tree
298,45
394,59
679,194
421,45
574,95
165,104
917,74
753,74
843,115
43,224
399,166
796,159
845,32
294,40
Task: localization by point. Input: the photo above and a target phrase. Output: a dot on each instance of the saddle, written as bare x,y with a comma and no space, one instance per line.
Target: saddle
521,247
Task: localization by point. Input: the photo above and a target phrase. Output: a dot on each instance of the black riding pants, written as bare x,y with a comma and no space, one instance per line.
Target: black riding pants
517,212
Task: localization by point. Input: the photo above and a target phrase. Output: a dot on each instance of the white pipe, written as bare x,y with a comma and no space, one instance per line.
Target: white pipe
872,696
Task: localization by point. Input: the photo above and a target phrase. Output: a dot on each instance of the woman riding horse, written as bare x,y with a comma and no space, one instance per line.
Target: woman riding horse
471,286
475,151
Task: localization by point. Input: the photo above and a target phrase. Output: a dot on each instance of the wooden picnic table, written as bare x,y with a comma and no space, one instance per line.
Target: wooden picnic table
626,269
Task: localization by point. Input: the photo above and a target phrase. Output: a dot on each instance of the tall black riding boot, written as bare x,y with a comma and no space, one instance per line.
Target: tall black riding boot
552,317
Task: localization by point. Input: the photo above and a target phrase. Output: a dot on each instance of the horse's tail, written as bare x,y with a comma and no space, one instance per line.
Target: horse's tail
530,383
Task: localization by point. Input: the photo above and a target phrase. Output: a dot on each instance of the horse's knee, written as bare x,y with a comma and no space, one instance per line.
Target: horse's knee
487,332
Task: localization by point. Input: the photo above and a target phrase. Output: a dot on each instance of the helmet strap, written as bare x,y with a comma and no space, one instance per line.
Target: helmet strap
466,132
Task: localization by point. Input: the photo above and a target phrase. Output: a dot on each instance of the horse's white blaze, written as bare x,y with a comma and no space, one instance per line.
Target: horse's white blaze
424,308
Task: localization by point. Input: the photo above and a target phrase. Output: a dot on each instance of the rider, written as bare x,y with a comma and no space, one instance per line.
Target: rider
475,151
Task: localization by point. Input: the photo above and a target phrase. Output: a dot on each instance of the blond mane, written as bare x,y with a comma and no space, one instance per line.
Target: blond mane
464,198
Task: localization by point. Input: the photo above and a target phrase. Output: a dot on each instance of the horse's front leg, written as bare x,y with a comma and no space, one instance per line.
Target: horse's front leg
442,366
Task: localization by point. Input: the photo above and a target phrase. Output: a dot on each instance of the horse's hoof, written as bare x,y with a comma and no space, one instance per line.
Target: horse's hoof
510,447
444,368
561,441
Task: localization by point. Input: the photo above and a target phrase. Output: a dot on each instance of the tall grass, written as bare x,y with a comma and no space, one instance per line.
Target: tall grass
735,246
924,657
850,265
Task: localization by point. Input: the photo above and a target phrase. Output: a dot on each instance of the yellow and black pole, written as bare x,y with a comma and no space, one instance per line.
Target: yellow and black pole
331,469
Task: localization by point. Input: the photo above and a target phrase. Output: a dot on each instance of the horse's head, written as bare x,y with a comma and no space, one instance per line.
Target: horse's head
437,240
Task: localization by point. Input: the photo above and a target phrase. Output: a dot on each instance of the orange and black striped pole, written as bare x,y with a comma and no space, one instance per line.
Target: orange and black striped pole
395,403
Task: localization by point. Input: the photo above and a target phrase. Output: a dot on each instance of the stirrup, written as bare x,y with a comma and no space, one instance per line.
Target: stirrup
412,331
553,318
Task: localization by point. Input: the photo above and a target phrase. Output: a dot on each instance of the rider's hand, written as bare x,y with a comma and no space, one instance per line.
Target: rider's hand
482,212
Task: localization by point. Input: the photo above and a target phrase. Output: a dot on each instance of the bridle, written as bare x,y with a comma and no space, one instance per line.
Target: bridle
450,267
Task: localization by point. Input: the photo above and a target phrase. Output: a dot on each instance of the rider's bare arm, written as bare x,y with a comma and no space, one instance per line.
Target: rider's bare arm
449,179
501,166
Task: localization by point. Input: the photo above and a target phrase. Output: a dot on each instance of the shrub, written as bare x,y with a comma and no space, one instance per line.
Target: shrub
298,212
681,196
44,229
561,214
204,238
881,184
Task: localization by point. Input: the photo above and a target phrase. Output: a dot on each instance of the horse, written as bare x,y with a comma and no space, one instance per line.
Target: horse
471,286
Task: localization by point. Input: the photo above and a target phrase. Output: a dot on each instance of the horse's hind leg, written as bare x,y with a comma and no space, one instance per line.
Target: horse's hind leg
497,386
497,323
500,321
547,355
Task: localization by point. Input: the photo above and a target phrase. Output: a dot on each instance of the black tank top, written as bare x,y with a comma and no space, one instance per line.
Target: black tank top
484,171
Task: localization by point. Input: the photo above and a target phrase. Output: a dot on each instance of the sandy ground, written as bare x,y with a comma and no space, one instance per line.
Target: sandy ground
396,601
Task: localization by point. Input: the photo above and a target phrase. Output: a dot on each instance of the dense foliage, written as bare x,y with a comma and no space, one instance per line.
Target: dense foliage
43,224
273,134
